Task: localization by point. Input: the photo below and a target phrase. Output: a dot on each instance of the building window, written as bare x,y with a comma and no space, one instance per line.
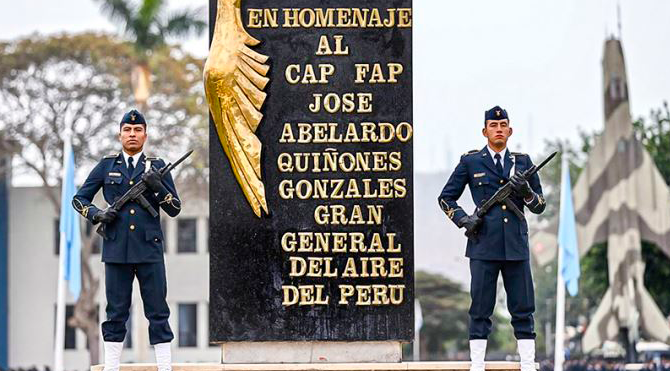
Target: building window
186,239
57,236
188,325
70,338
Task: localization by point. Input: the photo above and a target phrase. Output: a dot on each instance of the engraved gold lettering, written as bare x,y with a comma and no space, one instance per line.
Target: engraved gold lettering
350,269
343,17
404,131
298,266
290,78
375,19
287,134
399,186
369,134
339,242
306,294
395,69
325,17
284,161
346,291
396,294
380,296
363,294
291,296
254,18
376,243
305,241
395,267
377,73
307,17
405,17
291,17
270,18
304,133
395,159
324,46
390,21
288,242
286,189
392,247
377,267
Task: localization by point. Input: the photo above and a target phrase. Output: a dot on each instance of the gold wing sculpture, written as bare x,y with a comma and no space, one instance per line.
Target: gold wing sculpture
235,77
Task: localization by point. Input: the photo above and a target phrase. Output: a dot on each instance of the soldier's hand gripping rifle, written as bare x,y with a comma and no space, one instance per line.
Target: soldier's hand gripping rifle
136,193
502,196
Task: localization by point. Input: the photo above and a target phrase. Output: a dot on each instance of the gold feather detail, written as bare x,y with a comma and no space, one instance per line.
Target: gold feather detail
235,76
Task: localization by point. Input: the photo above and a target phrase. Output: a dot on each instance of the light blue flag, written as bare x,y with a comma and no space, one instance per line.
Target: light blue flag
567,234
69,227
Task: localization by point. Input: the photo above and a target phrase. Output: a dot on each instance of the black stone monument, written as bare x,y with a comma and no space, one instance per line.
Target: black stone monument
333,258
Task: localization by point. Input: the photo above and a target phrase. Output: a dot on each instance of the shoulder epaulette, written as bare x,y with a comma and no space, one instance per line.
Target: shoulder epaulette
113,155
519,154
471,152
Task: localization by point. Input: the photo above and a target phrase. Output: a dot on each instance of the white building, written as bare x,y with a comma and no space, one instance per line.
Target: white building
33,267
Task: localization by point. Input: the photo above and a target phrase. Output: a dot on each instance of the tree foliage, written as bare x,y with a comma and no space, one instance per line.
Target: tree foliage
444,306
148,24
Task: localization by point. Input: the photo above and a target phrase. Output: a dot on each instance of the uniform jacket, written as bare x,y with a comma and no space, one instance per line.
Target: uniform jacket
134,236
502,235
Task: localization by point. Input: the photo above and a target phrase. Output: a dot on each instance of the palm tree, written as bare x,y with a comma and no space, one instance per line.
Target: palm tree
148,25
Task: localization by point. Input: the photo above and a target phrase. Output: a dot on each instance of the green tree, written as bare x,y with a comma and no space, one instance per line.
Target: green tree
50,83
654,133
444,305
148,26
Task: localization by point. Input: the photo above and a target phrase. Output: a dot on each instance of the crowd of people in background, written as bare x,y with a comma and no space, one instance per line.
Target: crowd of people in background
606,365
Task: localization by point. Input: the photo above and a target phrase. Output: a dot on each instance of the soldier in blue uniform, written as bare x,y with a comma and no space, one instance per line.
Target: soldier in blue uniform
133,245
501,243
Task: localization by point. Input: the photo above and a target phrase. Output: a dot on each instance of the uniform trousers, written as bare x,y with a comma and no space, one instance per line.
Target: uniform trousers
153,289
520,296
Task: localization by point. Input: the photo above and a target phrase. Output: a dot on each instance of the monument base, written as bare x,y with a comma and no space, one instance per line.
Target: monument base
311,352
404,366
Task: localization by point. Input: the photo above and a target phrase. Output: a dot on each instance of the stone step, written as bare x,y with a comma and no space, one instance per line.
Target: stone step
402,366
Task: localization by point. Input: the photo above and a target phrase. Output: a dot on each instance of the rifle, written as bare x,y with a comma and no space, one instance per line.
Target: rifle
135,193
502,196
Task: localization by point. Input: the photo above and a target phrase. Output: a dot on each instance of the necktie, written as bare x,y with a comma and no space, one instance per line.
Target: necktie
499,167
131,167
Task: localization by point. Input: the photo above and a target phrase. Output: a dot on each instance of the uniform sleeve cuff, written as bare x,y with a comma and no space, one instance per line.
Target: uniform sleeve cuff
532,199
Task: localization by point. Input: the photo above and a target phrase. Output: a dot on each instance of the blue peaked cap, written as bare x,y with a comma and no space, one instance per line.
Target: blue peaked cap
133,117
495,113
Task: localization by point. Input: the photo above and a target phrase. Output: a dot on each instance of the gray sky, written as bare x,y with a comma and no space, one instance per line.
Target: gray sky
538,59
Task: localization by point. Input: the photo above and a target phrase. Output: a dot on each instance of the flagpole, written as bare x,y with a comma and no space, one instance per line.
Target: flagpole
418,323
59,341
559,351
